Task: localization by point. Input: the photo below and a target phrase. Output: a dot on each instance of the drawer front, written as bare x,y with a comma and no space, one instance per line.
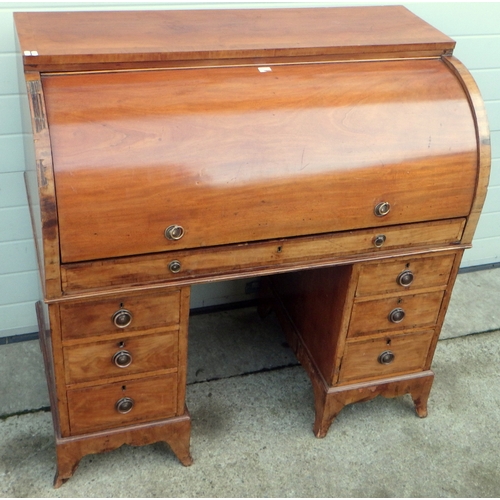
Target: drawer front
118,358
402,275
256,257
95,408
234,155
395,313
407,353
90,318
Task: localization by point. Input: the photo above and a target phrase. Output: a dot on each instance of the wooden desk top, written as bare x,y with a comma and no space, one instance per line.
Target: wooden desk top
49,39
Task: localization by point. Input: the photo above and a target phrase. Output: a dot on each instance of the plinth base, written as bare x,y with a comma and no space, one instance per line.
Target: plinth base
175,432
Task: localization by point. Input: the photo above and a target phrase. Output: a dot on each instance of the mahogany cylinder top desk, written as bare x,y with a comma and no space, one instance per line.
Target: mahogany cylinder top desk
340,153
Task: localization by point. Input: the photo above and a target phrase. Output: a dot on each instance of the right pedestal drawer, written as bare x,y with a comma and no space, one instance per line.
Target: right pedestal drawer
395,316
390,355
410,273
395,313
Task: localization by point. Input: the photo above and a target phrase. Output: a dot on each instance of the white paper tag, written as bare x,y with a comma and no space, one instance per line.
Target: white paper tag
264,69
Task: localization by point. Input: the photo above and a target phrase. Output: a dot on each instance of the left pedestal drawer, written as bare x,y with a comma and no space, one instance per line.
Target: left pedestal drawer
122,403
128,312
121,357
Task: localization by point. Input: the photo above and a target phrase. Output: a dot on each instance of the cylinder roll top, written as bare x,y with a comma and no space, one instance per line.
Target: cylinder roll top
238,154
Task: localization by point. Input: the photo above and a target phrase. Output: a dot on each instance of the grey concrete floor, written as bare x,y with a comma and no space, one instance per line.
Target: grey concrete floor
252,411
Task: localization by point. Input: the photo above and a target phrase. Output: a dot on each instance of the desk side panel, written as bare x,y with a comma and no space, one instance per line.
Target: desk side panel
39,180
483,143
318,304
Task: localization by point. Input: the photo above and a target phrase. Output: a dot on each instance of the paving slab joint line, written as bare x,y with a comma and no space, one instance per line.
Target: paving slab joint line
471,334
214,379
24,412
246,374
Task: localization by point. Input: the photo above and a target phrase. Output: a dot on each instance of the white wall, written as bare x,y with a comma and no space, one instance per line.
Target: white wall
473,25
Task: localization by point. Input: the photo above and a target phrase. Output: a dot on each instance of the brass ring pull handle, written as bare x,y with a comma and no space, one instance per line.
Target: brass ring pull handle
405,278
397,315
386,358
124,405
174,267
382,208
379,240
122,359
122,318
174,232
